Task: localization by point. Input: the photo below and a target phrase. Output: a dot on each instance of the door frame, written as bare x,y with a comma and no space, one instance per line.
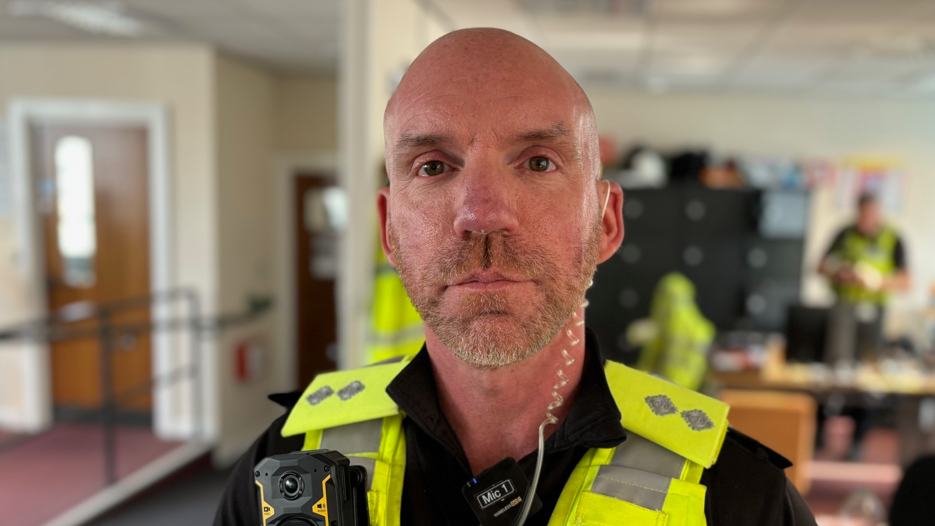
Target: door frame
287,166
36,371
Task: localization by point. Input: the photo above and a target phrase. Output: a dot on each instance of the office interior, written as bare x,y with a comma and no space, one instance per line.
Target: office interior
144,318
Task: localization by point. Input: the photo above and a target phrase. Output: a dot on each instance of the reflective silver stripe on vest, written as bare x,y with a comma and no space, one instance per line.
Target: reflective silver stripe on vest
632,485
362,437
639,473
638,453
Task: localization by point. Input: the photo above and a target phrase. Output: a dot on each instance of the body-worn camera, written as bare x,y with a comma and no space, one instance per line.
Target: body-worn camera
311,488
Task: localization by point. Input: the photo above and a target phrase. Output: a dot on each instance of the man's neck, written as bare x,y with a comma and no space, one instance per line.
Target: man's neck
496,413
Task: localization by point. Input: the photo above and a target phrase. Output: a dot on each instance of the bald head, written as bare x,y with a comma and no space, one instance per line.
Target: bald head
482,70
494,217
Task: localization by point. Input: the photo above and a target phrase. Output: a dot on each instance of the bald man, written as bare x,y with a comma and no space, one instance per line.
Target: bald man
495,218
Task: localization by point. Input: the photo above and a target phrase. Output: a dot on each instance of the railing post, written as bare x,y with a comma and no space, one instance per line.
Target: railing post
195,320
108,416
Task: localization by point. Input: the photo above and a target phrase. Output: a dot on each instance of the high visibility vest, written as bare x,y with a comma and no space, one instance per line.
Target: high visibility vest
395,326
877,252
679,350
652,478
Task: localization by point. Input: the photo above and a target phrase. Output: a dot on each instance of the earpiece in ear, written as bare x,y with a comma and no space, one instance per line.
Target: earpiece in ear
606,199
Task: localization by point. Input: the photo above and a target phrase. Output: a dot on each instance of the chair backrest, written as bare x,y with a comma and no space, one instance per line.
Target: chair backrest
783,422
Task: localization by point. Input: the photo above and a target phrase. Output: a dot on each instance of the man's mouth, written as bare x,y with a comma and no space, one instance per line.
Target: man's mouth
488,280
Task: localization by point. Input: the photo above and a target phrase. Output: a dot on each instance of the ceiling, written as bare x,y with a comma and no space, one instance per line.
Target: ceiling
287,35
864,47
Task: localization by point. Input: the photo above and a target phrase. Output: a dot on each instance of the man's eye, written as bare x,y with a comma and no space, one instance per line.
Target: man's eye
432,168
540,164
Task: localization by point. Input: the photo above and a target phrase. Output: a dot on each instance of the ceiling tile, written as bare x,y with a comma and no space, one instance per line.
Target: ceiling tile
231,29
35,28
325,9
182,9
716,10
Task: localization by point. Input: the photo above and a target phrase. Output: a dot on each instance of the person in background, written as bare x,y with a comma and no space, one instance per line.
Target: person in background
867,260
865,263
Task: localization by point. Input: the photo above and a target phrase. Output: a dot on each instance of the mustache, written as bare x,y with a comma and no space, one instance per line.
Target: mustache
492,251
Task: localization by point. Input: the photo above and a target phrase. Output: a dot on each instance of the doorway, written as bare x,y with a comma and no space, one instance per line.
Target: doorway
92,202
167,405
316,221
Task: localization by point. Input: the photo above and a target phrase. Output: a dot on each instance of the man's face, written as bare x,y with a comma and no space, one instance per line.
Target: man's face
869,218
492,214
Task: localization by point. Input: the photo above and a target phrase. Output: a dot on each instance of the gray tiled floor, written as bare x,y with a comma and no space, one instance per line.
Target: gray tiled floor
191,502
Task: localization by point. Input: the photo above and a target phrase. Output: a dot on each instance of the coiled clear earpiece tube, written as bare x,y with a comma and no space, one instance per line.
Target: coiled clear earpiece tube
558,401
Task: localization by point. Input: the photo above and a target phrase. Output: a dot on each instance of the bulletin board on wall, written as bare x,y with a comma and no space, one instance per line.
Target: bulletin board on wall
884,178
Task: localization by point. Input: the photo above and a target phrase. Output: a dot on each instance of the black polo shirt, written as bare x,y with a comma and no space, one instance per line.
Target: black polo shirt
746,486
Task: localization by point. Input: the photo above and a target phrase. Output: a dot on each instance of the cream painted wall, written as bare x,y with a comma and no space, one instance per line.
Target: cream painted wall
800,127
306,114
179,76
245,112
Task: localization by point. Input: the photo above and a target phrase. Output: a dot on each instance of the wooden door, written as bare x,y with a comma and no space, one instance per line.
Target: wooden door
93,202
315,253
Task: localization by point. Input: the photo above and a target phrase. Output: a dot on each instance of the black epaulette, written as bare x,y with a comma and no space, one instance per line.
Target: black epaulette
287,400
757,449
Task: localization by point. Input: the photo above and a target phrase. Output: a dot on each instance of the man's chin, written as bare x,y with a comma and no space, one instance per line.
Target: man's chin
490,341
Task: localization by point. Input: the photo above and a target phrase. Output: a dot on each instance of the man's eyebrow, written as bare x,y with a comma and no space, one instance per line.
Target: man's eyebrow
421,140
551,133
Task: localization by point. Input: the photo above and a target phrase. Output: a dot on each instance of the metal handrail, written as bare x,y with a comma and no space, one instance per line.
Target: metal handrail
55,327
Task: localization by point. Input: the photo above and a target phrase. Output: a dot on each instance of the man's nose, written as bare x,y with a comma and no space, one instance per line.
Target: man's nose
488,200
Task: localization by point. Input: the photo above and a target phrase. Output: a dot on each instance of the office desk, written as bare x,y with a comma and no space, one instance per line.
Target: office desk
914,392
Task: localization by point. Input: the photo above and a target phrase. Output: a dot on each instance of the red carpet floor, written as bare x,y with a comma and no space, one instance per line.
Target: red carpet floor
45,475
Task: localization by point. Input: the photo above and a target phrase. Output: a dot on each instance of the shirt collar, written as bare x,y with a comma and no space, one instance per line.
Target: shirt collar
593,421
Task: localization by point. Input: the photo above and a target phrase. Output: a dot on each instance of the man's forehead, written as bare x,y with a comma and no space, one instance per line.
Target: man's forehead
465,121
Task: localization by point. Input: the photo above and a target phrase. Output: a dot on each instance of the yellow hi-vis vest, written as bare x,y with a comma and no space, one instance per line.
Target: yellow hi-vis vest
877,252
652,478
395,326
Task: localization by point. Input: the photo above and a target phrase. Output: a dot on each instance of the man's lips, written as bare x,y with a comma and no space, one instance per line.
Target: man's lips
487,281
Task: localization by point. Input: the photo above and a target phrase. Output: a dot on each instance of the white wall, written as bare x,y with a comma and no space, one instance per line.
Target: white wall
799,127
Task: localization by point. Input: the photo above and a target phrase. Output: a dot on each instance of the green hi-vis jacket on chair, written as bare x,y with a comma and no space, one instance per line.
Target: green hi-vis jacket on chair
652,478
679,351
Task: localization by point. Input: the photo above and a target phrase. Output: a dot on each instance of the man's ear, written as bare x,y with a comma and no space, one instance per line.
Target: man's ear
383,210
612,221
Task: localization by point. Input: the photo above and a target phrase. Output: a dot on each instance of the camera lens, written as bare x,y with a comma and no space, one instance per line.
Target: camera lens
291,486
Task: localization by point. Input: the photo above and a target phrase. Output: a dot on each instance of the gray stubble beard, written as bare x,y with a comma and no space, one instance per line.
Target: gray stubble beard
488,336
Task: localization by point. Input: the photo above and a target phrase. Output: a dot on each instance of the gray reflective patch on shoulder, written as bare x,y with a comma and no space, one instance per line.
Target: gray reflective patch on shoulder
367,463
661,405
350,390
319,396
638,453
362,437
697,420
646,490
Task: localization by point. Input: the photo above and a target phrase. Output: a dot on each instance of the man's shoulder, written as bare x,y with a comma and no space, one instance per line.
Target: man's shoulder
748,485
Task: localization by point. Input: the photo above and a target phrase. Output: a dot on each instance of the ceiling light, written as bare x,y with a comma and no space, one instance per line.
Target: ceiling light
104,18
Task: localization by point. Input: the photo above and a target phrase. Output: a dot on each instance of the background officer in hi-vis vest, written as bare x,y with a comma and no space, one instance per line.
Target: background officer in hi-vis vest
865,263
496,219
